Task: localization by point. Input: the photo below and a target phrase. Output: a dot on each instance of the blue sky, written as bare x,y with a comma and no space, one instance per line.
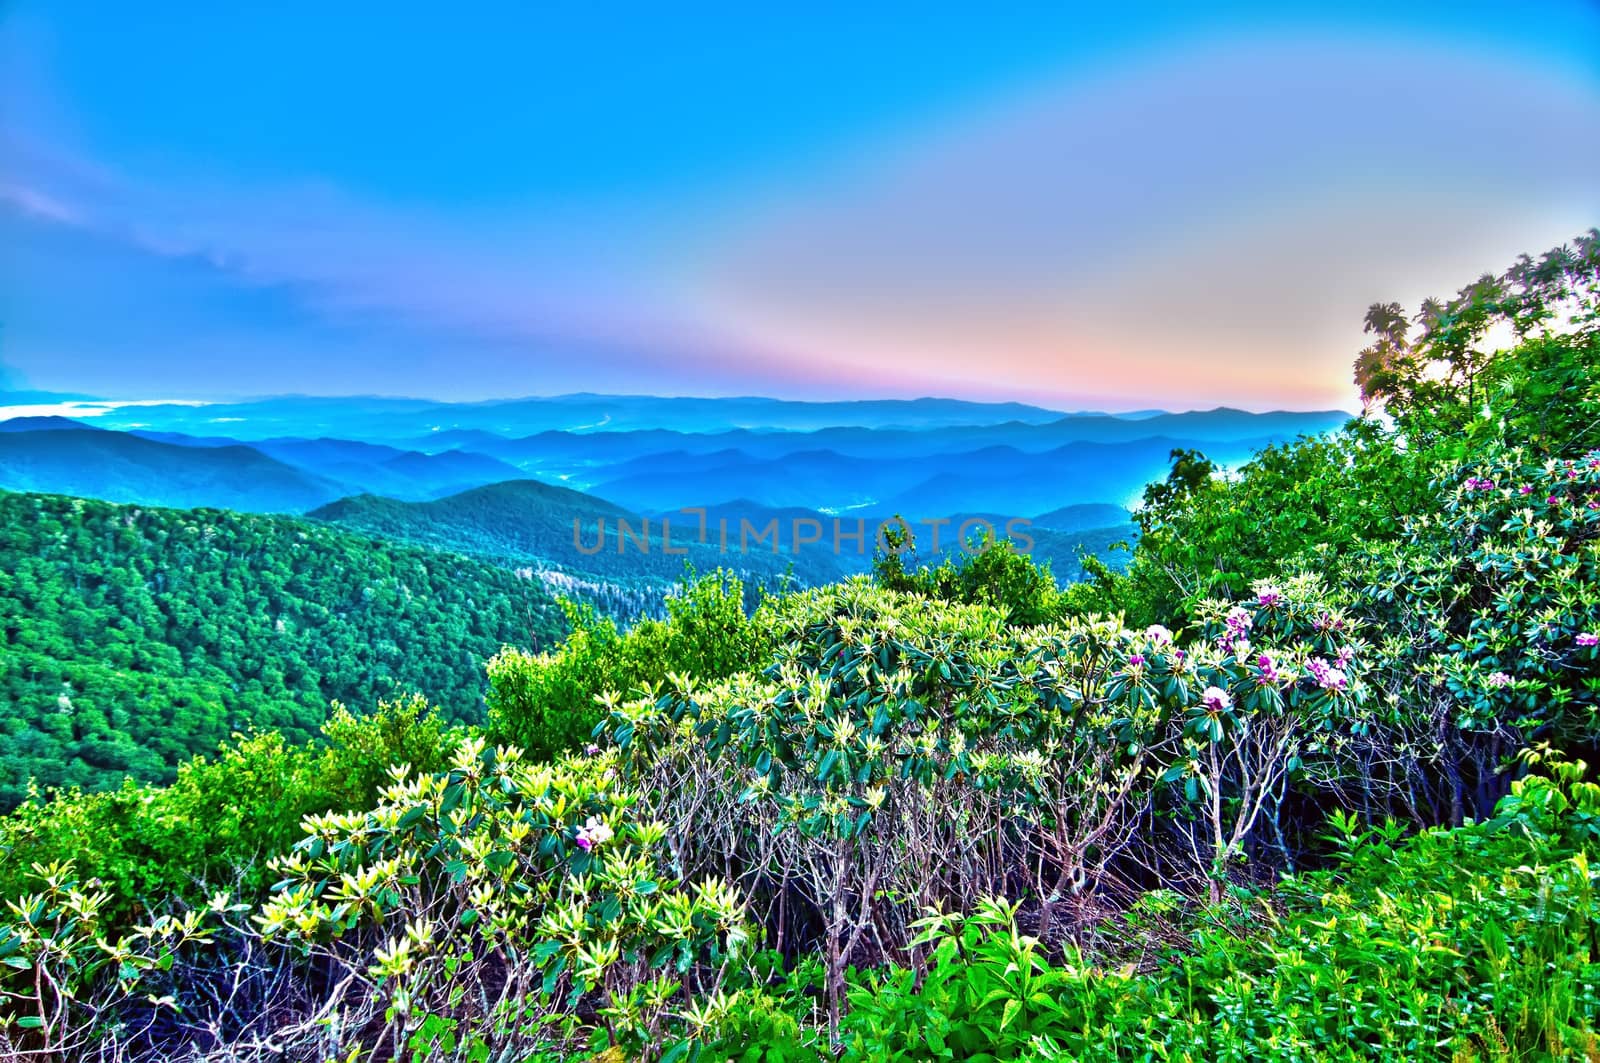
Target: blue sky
1075,206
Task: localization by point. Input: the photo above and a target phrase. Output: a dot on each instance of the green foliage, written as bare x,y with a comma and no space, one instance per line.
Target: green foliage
1449,394
1491,609
135,638
546,703
993,573
773,1018
221,818
448,872
1308,504
1436,385
56,952
1476,943
888,723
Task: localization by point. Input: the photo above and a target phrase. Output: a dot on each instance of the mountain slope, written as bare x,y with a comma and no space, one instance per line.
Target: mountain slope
370,468
119,467
517,519
544,526
1082,516
135,637
50,423
450,471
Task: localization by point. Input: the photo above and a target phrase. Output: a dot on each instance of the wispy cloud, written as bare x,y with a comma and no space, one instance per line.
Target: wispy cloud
562,288
38,204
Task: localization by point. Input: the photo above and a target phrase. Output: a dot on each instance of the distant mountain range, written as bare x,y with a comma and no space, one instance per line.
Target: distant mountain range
390,420
565,451
371,468
407,422
496,480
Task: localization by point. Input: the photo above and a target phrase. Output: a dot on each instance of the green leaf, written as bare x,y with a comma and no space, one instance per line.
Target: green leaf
826,767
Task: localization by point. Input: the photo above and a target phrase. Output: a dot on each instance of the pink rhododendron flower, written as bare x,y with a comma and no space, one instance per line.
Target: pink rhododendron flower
1327,676
1499,679
1215,699
1586,638
1136,660
1234,642
1158,635
593,833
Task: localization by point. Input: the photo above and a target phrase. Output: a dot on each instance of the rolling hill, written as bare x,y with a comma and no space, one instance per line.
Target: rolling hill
119,467
529,523
1086,515
369,468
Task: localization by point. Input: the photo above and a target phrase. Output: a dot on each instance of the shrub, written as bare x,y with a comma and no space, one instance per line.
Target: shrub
1491,607
502,894
900,753
1475,943
545,703
219,822
992,573
66,980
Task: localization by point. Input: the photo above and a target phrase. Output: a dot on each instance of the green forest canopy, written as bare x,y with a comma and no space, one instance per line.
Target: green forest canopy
136,637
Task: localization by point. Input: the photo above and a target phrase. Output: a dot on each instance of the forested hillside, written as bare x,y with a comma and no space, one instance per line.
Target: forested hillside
525,522
135,637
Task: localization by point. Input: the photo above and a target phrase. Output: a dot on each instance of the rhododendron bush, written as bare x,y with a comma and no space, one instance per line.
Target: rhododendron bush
1492,606
900,753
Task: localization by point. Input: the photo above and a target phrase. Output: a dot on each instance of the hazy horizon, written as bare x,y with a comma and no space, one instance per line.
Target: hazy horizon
83,405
